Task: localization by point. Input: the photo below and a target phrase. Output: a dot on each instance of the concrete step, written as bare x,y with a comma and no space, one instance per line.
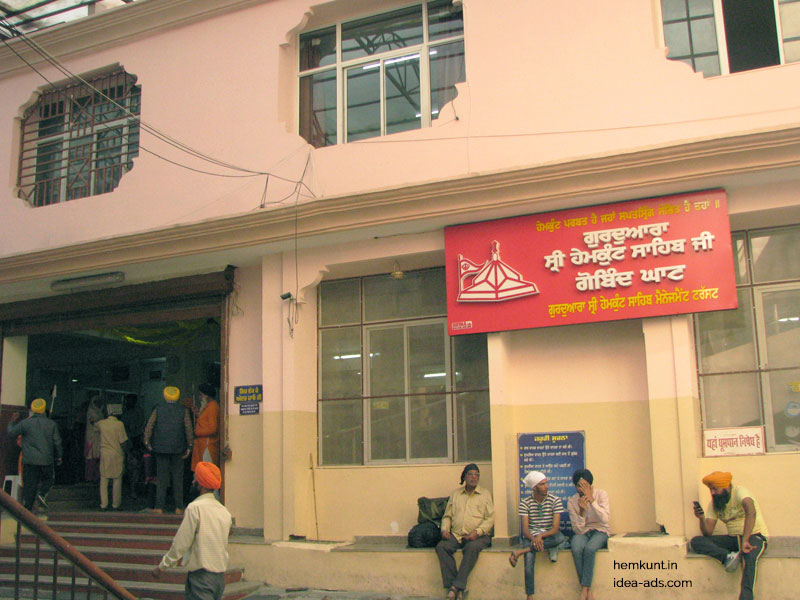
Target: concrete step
157,590
142,556
117,570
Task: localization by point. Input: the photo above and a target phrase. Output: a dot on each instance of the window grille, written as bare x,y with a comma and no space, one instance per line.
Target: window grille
78,139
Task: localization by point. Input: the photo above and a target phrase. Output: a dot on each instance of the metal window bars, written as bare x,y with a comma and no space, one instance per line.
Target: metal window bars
78,139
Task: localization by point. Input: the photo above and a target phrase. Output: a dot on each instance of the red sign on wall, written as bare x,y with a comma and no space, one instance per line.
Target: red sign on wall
643,258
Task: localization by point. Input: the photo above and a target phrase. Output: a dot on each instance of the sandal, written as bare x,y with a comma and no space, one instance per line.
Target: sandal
512,559
452,593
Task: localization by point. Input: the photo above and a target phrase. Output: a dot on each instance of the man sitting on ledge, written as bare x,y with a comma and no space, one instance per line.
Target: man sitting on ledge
746,539
467,524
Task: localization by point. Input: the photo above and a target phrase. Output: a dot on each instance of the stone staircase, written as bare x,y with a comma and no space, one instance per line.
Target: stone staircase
126,545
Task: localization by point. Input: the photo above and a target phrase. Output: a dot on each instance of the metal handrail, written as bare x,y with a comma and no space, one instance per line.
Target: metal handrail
61,546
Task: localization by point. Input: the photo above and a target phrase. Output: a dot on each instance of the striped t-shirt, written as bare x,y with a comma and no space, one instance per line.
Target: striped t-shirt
540,516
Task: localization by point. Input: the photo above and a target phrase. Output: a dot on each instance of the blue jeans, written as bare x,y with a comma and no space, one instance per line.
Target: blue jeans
530,558
584,545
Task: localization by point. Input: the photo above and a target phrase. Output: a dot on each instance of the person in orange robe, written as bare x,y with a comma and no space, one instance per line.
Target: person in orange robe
206,429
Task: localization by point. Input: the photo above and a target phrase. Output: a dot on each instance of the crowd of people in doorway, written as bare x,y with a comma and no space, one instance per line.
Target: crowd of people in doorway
468,522
148,453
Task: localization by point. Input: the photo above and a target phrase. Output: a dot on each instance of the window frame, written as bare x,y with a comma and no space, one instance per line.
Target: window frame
341,67
451,392
761,370
721,38
74,146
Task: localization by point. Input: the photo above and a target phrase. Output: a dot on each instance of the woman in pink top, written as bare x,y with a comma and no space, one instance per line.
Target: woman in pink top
589,513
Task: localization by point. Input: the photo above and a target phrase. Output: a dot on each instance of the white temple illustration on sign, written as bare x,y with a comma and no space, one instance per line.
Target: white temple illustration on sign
493,281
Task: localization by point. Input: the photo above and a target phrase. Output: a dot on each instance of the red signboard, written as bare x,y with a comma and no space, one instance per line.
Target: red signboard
643,258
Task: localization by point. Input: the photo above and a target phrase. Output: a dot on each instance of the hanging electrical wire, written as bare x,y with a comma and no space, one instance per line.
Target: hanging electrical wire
144,126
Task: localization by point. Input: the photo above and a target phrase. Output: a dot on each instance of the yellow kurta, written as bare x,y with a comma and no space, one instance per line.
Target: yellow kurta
112,436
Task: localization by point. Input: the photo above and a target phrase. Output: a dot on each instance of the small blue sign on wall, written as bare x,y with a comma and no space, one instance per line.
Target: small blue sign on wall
556,454
248,393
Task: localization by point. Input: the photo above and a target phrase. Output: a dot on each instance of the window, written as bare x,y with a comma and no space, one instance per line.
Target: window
749,358
379,75
393,386
728,36
78,139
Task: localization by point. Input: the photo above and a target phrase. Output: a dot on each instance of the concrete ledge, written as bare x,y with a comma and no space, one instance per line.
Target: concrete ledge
632,568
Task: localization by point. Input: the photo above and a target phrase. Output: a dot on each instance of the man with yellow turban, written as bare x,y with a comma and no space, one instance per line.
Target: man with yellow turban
202,539
41,446
747,532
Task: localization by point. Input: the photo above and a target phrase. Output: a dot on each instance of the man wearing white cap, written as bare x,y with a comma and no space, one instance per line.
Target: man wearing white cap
541,519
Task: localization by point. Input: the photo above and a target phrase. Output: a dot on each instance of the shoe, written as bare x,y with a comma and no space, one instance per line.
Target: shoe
42,501
104,508
178,511
553,552
732,561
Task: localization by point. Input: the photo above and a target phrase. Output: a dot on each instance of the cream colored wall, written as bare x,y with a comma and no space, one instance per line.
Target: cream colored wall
14,371
244,487
355,501
228,87
587,378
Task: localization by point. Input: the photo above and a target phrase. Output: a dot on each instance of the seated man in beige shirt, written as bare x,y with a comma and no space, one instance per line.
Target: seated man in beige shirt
467,524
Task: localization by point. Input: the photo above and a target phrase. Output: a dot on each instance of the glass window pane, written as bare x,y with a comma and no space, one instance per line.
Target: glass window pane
318,108
341,432
427,426
386,362
363,102
731,400
340,362
387,419
676,36
791,51
401,86
418,294
382,33
699,8
318,48
775,254
444,19
785,417
725,338
782,328
673,9
704,36
707,65
739,244
471,362
473,426
427,370
339,302
447,69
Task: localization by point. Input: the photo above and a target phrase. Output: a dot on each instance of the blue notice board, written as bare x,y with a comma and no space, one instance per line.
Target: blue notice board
556,454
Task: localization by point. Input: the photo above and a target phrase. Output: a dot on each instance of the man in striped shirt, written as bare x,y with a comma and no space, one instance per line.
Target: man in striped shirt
541,518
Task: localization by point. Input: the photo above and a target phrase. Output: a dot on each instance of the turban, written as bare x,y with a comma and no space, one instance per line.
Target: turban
171,393
469,467
208,475
207,390
38,406
718,479
534,478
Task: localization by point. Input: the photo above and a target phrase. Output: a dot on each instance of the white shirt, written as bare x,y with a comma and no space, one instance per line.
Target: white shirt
202,536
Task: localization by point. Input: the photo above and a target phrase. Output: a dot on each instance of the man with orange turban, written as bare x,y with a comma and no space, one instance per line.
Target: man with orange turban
202,539
747,531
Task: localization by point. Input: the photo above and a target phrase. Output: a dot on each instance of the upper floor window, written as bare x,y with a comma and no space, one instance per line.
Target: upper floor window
79,138
728,36
394,387
749,359
382,74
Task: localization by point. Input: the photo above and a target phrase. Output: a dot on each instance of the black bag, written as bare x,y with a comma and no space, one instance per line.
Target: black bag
431,510
424,535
